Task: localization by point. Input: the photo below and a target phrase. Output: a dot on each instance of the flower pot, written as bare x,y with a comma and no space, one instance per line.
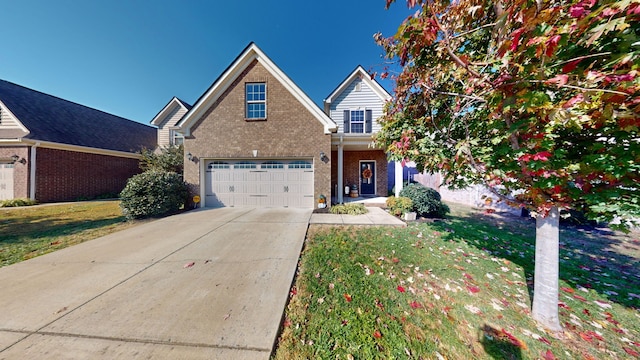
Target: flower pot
409,216
354,193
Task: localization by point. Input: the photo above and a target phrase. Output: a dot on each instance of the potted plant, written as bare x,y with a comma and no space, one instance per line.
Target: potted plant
354,190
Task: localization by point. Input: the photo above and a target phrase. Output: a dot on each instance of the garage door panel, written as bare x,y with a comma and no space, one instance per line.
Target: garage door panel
270,183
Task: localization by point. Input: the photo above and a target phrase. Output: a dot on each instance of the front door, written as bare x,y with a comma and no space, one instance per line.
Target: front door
367,177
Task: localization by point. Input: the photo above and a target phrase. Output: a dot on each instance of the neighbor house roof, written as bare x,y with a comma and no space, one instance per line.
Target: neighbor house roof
51,119
361,73
250,54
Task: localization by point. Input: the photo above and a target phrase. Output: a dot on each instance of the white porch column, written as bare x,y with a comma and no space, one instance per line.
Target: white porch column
32,172
398,177
340,194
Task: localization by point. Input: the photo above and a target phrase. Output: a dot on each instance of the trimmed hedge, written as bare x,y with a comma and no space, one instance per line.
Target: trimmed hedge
399,205
426,201
153,193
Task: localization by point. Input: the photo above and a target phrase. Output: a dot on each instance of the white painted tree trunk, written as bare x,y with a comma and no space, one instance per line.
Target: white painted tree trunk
546,277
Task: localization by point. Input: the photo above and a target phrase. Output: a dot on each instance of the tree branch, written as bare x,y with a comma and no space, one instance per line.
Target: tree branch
582,58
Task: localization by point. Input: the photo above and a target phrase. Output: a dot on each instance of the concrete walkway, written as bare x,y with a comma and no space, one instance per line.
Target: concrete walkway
375,216
207,284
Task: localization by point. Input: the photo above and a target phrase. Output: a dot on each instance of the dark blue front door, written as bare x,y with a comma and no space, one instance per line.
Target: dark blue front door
368,178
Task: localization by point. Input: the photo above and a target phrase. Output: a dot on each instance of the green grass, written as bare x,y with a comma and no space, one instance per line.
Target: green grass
459,289
32,231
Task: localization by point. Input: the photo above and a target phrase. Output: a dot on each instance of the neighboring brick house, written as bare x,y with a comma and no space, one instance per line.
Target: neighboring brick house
354,106
254,138
53,150
167,119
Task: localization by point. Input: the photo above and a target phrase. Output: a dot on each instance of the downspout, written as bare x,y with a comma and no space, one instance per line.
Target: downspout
340,172
32,172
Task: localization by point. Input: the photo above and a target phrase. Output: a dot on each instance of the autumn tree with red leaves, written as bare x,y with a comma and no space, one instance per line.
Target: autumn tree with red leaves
538,100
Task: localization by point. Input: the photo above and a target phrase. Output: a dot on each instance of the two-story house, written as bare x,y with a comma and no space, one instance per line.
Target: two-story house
254,138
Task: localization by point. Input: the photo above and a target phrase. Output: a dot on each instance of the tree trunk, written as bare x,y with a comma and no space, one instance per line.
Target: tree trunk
546,278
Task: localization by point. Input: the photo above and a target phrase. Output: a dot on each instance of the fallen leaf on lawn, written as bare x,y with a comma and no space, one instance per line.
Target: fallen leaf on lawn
579,297
548,355
473,309
347,297
566,289
401,289
415,305
514,340
227,316
603,304
55,243
188,265
586,337
473,289
377,334
631,352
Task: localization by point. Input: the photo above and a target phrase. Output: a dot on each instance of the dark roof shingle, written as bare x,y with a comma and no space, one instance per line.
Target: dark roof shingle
53,119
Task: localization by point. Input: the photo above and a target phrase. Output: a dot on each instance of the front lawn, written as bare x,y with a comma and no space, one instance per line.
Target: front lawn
459,289
27,232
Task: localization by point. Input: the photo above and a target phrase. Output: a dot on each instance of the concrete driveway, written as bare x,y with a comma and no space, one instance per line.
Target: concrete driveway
208,284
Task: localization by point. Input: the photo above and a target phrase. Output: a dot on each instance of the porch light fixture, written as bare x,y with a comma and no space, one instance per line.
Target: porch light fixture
189,156
323,157
15,158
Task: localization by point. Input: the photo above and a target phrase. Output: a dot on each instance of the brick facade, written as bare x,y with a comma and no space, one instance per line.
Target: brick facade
351,173
290,131
63,175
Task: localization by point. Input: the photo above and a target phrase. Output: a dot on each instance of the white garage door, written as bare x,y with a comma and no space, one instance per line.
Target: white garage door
6,181
271,183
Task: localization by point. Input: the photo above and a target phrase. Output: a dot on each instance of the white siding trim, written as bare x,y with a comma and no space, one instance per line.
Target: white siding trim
9,121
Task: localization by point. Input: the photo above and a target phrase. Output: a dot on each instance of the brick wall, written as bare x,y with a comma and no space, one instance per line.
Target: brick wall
20,170
68,175
290,131
351,173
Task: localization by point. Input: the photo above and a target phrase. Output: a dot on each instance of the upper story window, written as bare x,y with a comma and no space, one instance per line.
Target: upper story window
358,121
256,100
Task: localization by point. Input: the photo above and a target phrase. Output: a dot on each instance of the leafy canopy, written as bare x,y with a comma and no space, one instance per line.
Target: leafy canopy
539,99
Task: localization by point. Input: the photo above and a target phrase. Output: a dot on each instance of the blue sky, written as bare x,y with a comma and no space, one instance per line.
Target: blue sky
129,57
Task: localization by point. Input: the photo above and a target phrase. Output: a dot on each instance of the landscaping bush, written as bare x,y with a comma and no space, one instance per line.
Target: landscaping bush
349,209
17,202
153,193
426,201
399,205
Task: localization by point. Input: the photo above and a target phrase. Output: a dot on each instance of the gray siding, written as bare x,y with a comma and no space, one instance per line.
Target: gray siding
350,99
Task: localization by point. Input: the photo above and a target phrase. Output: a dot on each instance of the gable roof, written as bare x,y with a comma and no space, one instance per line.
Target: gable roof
361,73
52,119
162,114
221,84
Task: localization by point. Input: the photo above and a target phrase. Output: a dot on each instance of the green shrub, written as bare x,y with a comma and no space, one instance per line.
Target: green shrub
399,205
426,201
349,209
17,202
169,158
153,193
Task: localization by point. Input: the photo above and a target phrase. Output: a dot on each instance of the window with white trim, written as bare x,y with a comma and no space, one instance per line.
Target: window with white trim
219,165
176,138
357,121
256,101
244,165
300,165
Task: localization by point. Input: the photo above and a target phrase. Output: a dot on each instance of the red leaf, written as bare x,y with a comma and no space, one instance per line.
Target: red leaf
188,265
548,355
294,292
514,340
473,289
566,289
544,340
631,352
576,99
401,289
570,66
415,305
468,276
377,334
579,297
560,80
552,44
347,297
586,337
516,39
